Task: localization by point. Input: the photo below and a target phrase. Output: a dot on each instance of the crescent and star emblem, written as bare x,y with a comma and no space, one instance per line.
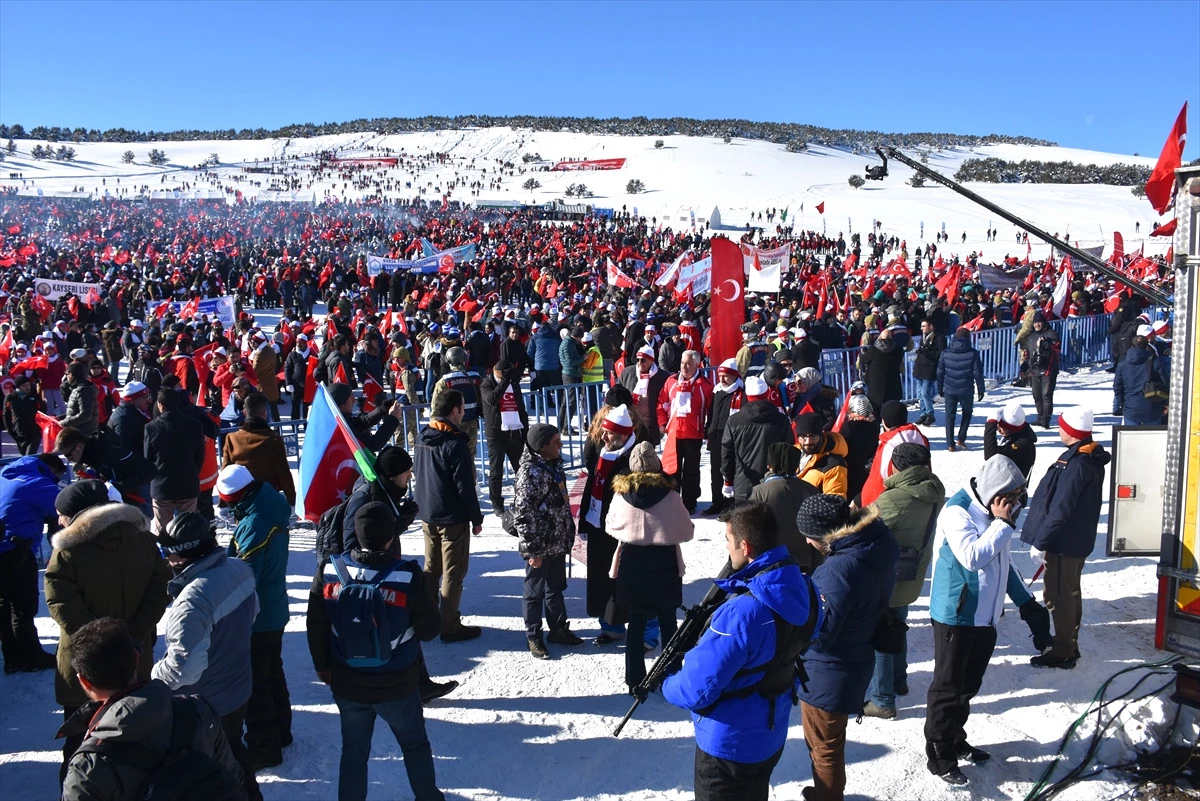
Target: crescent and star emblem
737,290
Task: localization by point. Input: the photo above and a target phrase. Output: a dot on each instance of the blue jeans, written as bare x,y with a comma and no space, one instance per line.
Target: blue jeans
953,402
650,638
408,725
926,390
891,671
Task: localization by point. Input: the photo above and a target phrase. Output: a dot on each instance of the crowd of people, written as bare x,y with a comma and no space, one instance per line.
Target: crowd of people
832,512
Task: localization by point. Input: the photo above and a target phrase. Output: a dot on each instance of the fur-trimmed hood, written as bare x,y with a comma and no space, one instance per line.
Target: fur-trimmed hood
867,538
865,519
642,490
90,524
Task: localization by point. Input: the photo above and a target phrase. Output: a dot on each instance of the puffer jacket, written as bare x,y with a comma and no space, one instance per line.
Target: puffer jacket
858,574
261,541
543,349
1065,509
175,444
446,489
959,368
141,717
208,631
1044,350
83,408
862,440
1129,386
827,470
20,417
929,354
648,520
748,435
105,564
741,634
881,465
699,400
541,508
27,493
972,571
909,505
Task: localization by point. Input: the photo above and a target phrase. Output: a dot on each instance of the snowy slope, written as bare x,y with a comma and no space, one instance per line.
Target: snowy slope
740,178
522,729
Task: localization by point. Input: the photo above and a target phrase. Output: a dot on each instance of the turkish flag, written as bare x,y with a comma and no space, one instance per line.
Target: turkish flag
821,207
974,325
43,307
371,389
445,263
1160,189
1167,229
948,285
6,347
310,383
339,377
50,428
726,308
328,488
617,278
190,309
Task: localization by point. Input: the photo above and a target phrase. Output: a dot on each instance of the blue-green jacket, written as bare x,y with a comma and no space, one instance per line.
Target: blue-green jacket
261,541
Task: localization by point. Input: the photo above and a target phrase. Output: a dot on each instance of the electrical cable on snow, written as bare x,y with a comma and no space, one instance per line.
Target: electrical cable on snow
1044,790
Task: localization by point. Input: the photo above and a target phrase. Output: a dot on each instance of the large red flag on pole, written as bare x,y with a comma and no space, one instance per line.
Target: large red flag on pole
727,308
1160,189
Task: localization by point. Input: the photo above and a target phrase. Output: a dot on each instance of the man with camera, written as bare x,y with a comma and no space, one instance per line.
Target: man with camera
739,681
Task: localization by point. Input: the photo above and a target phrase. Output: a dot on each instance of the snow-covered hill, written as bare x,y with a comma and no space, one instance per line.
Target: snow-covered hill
686,175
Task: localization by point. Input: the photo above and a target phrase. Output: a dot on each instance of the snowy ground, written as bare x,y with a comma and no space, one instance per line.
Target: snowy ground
518,728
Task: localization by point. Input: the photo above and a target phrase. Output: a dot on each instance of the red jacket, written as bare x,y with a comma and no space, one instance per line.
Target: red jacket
881,467
689,424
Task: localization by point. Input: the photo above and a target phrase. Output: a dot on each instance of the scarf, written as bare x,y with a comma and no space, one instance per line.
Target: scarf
510,417
643,385
603,468
681,404
737,395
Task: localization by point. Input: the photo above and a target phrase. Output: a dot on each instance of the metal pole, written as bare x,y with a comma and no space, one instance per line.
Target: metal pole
1152,293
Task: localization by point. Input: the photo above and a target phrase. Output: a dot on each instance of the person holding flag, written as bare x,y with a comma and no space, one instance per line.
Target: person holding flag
683,408
297,373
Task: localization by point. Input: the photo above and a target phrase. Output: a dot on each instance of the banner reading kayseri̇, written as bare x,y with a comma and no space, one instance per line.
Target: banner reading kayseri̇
52,289
216,308
764,268
593,164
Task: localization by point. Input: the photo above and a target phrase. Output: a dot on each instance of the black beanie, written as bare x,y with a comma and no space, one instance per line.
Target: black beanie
893,414
783,458
393,461
188,536
80,496
909,454
821,515
809,423
540,435
373,524
618,396
340,393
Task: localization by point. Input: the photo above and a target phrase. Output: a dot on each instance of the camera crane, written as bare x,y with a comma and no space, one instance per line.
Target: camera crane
1152,293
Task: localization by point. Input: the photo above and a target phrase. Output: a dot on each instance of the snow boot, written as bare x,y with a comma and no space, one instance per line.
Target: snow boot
564,636
972,754
538,648
954,777
1052,661
870,710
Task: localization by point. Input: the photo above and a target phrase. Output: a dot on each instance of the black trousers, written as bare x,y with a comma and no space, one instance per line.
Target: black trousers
544,588
960,658
269,710
505,444
232,725
299,407
28,448
716,480
688,452
1043,395
19,604
723,780
635,657
70,746
546,378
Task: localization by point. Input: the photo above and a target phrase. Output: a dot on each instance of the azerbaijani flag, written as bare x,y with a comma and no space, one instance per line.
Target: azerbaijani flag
330,461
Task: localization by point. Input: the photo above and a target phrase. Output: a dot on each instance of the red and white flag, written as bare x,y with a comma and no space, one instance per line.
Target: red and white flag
821,207
617,278
1160,189
1062,289
726,307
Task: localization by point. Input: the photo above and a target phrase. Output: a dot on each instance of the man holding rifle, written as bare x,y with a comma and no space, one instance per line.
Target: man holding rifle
739,681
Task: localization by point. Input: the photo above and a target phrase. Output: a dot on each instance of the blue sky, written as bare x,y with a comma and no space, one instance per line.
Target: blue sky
1099,75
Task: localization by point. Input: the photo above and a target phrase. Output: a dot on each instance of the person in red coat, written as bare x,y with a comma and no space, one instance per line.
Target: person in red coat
684,404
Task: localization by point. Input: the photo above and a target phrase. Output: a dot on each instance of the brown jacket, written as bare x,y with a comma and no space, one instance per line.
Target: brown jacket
105,564
260,449
266,369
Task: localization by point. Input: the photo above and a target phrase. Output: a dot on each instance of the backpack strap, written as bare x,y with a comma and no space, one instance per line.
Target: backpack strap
185,724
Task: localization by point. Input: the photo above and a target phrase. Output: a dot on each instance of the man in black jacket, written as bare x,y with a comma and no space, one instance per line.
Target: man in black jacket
1006,433
340,356
295,372
385,415
924,370
505,422
748,435
449,508
175,445
1043,350
391,690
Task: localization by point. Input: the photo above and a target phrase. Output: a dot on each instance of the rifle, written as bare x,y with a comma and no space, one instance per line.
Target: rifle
695,619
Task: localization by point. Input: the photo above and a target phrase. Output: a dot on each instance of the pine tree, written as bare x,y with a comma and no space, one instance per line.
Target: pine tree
634,186
127,157
856,181
11,147
531,184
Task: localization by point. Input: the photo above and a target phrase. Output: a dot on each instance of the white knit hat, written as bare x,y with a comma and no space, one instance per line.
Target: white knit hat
728,366
134,389
647,351
232,480
1013,414
1077,422
618,420
755,387
1144,331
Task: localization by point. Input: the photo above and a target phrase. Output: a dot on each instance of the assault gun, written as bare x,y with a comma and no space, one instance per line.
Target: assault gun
695,619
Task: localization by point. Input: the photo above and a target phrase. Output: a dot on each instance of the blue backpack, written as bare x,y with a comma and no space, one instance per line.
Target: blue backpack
360,618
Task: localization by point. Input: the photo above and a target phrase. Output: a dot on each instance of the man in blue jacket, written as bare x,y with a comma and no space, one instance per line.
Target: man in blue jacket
959,368
739,693
28,488
1061,528
261,541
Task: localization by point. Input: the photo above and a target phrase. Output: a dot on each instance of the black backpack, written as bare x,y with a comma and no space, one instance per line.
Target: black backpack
330,529
184,774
